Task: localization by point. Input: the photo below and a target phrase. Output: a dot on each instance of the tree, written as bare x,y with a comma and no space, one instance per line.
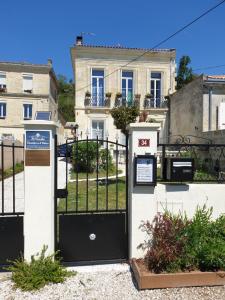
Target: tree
66,98
123,116
185,73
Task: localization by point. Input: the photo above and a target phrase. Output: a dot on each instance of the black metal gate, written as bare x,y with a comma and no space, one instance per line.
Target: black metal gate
11,212
91,205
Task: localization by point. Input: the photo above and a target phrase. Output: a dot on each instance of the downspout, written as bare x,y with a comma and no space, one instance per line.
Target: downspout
210,110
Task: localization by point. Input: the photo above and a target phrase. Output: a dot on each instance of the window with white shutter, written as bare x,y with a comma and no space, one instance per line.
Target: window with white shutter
27,83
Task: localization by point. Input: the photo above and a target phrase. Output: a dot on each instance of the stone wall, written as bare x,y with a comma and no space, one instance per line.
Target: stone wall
186,110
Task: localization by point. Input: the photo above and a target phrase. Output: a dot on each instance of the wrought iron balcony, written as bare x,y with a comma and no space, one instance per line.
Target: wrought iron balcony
93,102
125,102
156,103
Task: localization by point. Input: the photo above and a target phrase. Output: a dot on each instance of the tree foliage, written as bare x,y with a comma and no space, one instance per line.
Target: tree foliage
185,73
123,116
66,98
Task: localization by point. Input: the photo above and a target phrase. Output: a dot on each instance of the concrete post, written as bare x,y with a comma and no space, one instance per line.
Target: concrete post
39,187
141,198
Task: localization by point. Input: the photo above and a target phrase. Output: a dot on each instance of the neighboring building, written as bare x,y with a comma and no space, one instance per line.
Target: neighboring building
104,80
198,109
24,90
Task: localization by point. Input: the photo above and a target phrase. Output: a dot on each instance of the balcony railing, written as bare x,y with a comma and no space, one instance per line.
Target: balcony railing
124,102
100,102
105,102
156,103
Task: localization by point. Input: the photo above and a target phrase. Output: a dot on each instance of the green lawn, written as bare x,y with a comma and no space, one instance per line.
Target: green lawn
92,192
19,167
101,173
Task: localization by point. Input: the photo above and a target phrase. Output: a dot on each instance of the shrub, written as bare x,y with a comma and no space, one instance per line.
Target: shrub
205,248
84,160
165,244
123,116
103,160
175,243
39,272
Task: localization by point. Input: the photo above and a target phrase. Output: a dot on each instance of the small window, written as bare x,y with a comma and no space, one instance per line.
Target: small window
2,110
28,83
27,111
98,130
2,82
43,115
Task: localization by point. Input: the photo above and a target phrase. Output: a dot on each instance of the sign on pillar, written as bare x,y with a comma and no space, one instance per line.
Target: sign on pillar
143,138
39,187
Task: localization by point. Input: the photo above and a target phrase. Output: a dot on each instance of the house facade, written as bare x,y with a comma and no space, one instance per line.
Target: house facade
202,102
25,89
107,76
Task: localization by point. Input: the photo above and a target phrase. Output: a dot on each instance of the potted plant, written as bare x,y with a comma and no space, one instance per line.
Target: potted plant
87,100
118,101
108,95
148,96
108,99
181,252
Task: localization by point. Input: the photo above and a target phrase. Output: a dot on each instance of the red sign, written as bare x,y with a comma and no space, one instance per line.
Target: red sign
143,142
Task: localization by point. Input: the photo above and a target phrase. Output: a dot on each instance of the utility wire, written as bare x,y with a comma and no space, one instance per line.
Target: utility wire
207,68
162,42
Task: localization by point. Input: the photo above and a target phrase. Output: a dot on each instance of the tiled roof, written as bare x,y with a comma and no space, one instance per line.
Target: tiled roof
23,64
127,48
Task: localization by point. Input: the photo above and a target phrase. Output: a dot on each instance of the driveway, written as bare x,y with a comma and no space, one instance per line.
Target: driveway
19,188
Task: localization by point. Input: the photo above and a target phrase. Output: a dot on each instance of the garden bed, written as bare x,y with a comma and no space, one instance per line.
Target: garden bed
147,280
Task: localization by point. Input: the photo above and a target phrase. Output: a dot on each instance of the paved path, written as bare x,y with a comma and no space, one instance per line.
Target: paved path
122,174
19,188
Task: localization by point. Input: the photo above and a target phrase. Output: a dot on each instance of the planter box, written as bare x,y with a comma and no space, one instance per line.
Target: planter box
147,280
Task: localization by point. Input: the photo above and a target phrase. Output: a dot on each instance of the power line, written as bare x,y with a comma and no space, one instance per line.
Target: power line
162,42
209,67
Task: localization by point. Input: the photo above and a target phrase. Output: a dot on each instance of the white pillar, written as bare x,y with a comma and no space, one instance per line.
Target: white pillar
141,198
39,187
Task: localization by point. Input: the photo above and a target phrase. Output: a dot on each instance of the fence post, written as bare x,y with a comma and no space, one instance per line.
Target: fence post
39,186
141,198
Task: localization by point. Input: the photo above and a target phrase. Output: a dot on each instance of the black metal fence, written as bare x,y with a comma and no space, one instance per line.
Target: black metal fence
208,160
11,204
95,176
11,163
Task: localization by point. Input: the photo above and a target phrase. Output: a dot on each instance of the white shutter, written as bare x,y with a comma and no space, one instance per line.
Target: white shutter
27,82
222,115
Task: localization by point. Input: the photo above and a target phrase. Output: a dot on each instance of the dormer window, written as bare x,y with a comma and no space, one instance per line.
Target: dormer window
28,83
2,82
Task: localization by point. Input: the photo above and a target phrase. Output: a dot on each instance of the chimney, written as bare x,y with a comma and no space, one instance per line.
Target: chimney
79,40
50,62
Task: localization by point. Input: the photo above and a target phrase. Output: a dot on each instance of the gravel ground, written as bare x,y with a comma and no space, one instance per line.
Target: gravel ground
107,285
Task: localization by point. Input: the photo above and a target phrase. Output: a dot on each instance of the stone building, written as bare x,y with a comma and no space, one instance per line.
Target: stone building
108,76
198,110
24,90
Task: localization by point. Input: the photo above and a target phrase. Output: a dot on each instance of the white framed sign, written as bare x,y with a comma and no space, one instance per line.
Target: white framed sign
145,170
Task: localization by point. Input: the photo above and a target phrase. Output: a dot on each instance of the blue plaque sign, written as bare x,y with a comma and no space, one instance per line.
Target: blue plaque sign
37,139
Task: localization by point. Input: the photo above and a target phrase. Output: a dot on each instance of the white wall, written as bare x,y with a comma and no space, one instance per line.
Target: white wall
176,199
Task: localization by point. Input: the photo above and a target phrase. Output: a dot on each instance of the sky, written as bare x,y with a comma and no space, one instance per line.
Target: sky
34,31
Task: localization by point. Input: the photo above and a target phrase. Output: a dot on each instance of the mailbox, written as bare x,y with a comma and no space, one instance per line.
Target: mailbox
145,170
179,169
